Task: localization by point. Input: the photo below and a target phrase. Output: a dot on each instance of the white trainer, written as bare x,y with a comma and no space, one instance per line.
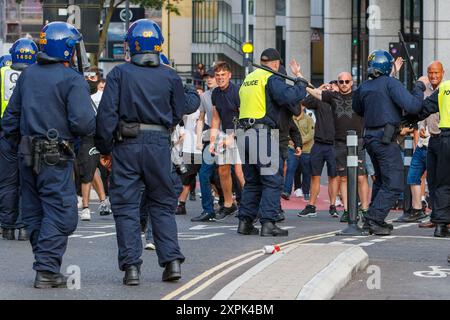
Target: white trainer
85,215
150,246
298,193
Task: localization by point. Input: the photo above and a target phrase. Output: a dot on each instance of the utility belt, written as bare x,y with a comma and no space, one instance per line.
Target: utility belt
131,130
388,133
247,124
37,151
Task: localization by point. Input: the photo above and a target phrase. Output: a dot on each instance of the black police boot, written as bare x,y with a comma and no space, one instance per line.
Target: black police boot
172,271
373,227
132,274
247,228
270,229
47,280
412,217
9,234
441,230
23,235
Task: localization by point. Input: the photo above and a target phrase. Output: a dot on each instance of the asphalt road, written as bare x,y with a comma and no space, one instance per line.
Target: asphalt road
216,255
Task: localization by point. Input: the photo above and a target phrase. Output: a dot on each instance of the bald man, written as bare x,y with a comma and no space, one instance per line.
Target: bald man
346,119
428,130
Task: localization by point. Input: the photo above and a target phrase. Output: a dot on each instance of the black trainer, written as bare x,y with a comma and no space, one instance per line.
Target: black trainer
280,217
345,217
308,212
411,217
333,212
205,217
285,196
225,212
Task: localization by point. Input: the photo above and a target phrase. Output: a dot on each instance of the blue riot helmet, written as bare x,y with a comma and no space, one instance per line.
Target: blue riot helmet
144,40
163,59
23,53
380,63
5,60
59,41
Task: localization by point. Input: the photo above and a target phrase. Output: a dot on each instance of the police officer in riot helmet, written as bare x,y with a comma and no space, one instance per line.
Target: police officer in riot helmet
143,100
382,102
48,116
23,54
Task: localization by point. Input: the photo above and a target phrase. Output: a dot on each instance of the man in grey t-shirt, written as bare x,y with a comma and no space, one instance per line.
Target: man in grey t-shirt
203,137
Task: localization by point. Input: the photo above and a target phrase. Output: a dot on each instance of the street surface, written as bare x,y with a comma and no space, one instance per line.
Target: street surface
216,255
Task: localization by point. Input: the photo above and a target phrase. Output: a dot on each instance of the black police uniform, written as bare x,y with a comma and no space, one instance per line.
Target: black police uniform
59,107
381,102
153,98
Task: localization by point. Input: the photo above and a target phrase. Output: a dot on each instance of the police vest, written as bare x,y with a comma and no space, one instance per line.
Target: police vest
253,95
444,105
8,78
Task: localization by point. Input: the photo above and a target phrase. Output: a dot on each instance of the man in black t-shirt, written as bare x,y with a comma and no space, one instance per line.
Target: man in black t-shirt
226,102
346,119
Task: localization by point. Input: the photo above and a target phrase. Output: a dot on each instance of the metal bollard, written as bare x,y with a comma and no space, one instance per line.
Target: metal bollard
352,185
407,198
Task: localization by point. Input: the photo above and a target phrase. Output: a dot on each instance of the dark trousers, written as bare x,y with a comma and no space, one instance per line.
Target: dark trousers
138,163
50,214
9,186
438,177
389,183
263,179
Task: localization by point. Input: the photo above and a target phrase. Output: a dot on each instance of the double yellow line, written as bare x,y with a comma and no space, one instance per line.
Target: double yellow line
229,266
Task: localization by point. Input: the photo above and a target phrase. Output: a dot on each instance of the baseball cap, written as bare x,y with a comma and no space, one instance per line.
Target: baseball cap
209,73
270,54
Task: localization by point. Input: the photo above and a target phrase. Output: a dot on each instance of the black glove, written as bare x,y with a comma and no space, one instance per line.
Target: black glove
421,86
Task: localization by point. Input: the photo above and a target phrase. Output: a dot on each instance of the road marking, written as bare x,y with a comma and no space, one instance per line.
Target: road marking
194,237
436,272
99,235
402,226
256,253
76,236
204,227
378,240
349,239
365,244
336,243
97,227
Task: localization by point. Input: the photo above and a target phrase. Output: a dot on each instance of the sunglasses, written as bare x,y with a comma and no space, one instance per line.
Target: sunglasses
344,81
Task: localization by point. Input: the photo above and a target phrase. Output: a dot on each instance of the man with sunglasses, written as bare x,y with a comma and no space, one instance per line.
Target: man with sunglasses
345,119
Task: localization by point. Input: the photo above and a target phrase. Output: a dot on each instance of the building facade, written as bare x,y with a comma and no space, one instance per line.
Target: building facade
325,36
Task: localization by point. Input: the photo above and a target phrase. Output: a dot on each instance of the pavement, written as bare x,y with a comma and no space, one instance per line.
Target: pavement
313,263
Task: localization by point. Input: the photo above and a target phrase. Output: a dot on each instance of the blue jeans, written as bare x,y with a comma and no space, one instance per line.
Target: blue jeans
418,167
205,174
292,163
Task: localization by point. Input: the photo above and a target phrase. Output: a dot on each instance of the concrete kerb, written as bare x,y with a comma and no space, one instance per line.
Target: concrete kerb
301,271
328,282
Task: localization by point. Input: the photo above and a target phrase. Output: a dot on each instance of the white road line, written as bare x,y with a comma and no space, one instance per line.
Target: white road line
366,244
361,237
336,243
97,227
349,239
389,237
378,240
76,236
100,235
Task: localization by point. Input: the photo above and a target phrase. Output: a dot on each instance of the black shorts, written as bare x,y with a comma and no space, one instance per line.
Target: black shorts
193,163
320,154
88,159
341,160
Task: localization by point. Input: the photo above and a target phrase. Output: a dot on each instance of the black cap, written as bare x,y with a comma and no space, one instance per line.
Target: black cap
270,54
209,73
